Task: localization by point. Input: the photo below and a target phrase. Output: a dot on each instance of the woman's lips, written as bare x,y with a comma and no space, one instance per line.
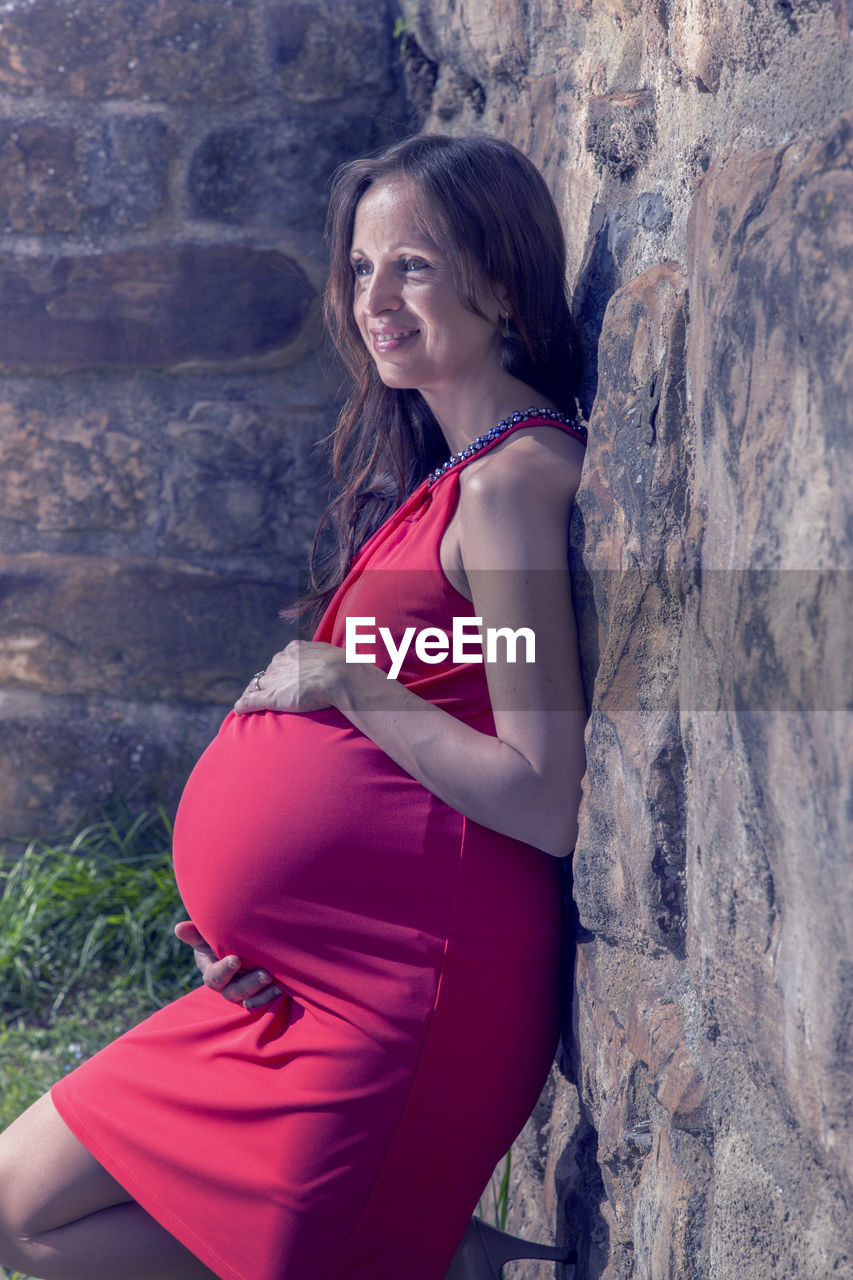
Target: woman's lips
390,339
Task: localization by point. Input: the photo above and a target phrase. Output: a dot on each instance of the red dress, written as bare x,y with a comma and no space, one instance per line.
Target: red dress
346,1131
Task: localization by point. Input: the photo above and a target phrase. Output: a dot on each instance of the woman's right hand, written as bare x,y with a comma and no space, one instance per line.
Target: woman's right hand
251,988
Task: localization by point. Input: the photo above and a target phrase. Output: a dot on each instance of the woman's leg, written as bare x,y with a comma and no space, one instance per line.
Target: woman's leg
63,1217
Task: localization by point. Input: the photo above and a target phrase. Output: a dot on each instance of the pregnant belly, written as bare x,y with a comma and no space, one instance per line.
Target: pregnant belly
298,843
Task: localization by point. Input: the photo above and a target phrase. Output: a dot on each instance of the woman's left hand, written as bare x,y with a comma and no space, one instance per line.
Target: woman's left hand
252,988
302,677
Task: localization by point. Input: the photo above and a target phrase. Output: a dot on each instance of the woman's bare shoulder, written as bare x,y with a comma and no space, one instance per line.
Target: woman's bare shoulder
540,459
514,508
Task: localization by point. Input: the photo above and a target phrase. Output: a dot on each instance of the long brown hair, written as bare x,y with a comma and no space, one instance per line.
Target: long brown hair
488,207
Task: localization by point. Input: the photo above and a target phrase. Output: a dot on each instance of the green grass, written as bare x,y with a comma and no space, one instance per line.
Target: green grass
494,1202
86,949
96,909
33,1056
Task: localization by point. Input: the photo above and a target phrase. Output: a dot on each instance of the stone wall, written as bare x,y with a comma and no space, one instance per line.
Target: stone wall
701,155
163,181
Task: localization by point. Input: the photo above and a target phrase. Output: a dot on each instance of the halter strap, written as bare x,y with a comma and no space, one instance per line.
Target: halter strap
526,418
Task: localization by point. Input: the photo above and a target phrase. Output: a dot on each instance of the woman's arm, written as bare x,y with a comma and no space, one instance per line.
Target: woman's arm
525,782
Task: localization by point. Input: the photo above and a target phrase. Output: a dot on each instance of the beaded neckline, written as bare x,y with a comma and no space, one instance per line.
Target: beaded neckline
500,428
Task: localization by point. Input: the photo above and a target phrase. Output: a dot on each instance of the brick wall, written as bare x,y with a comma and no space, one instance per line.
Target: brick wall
163,179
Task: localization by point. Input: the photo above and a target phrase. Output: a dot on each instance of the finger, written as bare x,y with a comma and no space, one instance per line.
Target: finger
209,962
252,699
258,694
188,933
217,974
205,956
263,997
253,988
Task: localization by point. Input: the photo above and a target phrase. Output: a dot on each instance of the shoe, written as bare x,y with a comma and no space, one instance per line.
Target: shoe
484,1250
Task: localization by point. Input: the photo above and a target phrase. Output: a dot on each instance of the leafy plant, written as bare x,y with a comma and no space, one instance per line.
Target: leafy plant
99,906
403,25
86,949
495,1199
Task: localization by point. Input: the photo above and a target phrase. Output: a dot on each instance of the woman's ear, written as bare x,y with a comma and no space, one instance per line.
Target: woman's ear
497,306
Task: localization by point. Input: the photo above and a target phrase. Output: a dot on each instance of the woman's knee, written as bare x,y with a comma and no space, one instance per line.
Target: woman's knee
47,1177
16,1156
13,1175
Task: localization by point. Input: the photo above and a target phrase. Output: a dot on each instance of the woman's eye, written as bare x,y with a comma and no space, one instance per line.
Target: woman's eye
414,264
361,268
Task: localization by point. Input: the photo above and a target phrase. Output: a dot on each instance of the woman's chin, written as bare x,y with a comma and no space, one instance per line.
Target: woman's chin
396,379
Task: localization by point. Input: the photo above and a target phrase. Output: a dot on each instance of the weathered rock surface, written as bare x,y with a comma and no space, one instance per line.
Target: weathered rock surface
160,630
172,50
274,173
63,756
770,761
161,307
711,550
642,1087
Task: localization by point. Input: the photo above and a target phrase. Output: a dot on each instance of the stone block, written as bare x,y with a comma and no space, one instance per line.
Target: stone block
621,130
654,1034
275,173
40,183
153,308
714,37
615,1085
126,178
331,50
457,95
420,74
132,628
490,39
50,183
62,758
240,480
702,43
162,50
70,473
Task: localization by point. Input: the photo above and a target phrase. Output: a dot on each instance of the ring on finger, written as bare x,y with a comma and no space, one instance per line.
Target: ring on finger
256,679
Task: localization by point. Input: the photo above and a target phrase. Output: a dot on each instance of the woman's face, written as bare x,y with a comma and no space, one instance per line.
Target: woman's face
413,322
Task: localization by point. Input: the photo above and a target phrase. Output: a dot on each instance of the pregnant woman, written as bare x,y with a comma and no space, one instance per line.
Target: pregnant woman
376,831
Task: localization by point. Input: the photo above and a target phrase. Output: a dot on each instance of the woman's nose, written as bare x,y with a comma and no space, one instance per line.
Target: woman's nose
382,293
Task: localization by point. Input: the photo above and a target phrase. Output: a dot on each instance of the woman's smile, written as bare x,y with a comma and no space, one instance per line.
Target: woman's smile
390,340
